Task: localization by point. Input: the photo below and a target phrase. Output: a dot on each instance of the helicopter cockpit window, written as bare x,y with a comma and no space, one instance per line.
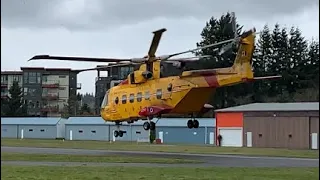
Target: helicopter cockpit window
124,99
116,100
139,96
105,100
159,93
131,98
147,95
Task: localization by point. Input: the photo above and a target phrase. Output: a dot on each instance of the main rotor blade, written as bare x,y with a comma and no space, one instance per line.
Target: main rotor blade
234,24
105,67
155,42
187,59
70,58
192,50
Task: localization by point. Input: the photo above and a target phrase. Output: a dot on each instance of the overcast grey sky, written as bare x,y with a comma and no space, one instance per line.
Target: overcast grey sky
109,28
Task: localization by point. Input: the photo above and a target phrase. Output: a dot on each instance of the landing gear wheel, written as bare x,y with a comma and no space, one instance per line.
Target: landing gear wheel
116,133
190,124
120,133
146,126
152,125
195,123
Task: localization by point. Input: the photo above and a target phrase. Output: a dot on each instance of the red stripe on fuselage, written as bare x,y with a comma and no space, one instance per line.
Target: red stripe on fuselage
212,81
124,82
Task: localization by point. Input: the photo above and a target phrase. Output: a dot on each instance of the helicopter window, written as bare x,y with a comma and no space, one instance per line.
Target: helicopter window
139,96
116,100
105,100
131,98
147,95
124,99
159,93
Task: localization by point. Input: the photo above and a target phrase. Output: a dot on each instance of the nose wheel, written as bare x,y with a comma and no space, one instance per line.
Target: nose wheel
118,133
193,124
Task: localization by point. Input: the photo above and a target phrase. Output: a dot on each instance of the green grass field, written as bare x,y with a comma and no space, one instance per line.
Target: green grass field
132,173
133,146
5,156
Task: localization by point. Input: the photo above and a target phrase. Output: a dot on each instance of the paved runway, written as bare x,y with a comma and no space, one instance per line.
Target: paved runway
208,159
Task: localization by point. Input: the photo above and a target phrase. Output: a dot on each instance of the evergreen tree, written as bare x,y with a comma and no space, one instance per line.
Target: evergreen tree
14,106
274,64
283,63
71,108
85,109
297,54
312,66
261,63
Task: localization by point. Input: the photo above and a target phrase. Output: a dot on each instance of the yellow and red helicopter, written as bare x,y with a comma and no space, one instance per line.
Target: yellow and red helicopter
145,94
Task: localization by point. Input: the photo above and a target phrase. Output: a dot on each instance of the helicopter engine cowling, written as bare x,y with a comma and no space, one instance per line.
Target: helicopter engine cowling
147,74
138,77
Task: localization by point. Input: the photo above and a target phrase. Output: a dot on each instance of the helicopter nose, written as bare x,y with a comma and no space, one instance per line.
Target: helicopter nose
105,113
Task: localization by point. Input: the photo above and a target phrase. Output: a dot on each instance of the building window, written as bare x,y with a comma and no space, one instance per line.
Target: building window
4,78
131,98
25,91
25,77
32,92
147,95
138,132
93,131
159,93
80,131
30,130
139,96
37,104
124,99
116,100
42,130
44,78
16,78
31,104
31,77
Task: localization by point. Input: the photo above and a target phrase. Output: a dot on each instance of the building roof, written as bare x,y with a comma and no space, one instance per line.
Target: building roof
46,69
174,122
11,72
30,120
300,106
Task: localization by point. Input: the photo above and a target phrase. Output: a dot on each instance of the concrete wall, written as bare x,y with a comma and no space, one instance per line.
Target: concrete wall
87,132
9,131
186,136
38,131
136,133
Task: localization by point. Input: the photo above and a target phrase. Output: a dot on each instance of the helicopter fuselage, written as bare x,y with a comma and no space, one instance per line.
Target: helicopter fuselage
183,94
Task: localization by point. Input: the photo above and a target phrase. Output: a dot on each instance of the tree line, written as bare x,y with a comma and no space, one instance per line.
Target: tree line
278,51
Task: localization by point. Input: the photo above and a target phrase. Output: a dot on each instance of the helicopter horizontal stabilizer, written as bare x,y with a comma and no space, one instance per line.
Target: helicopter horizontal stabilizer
261,78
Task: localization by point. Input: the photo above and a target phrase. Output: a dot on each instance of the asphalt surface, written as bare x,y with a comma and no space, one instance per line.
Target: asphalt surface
208,160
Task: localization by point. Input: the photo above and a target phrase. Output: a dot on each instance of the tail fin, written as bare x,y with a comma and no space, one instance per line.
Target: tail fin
243,61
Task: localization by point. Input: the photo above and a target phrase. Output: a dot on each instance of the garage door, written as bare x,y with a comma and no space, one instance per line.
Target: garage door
231,137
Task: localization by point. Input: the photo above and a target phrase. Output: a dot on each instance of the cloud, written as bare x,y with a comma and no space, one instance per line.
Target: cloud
109,14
